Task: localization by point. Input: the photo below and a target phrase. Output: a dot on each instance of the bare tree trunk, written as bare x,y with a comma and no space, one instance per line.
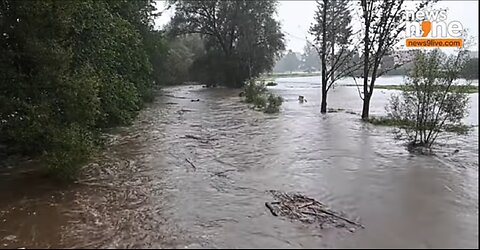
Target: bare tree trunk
332,70
366,54
366,106
323,107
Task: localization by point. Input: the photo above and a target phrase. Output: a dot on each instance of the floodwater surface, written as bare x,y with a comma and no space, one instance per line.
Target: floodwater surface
197,174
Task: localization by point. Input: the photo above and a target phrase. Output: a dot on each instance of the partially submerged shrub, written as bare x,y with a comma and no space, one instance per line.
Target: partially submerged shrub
257,94
273,104
427,107
253,90
71,147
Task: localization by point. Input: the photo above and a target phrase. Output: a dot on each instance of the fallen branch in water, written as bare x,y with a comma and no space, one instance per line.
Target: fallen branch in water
223,172
202,140
172,96
271,208
307,205
193,165
334,215
193,137
299,207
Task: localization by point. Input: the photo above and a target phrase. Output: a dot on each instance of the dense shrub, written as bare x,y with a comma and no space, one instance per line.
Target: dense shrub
257,94
70,68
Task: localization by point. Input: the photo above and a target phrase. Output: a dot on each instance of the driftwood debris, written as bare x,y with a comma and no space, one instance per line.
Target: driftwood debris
222,173
193,137
172,96
305,209
271,208
202,140
191,164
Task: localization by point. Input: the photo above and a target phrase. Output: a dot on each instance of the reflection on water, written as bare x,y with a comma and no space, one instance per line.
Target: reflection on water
141,192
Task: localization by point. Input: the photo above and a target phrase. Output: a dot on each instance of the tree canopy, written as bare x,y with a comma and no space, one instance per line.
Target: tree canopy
70,68
242,39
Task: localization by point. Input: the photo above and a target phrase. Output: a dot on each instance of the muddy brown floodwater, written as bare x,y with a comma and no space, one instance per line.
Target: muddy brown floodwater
142,192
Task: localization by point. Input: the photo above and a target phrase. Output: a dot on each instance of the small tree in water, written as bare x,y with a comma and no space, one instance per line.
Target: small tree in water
432,101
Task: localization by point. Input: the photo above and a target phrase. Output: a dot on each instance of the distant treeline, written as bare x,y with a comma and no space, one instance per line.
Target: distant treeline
469,71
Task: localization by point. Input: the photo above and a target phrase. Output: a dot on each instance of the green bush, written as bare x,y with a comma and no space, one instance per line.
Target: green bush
427,102
69,69
70,148
253,90
257,94
273,104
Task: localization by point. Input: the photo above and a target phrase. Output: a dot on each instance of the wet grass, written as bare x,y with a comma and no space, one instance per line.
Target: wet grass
469,89
387,121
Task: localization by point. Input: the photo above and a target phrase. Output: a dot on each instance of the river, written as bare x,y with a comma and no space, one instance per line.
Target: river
141,192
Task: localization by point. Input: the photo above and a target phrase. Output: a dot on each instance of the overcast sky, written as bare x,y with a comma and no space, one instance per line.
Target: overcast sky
297,16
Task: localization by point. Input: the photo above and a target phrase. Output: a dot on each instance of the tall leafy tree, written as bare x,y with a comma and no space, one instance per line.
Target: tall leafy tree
68,68
429,106
332,31
382,26
242,39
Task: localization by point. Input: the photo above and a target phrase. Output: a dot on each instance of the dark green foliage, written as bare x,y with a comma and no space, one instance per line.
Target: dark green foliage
183,52
242,38
70,68
332,33
69,147
253,90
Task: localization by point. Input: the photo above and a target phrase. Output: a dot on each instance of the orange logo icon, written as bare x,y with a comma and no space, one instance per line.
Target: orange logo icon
426,27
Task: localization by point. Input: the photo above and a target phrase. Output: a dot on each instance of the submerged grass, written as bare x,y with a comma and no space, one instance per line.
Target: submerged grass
273,76
392,122
469,89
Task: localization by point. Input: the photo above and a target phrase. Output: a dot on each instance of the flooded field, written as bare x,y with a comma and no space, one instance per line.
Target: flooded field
197,175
